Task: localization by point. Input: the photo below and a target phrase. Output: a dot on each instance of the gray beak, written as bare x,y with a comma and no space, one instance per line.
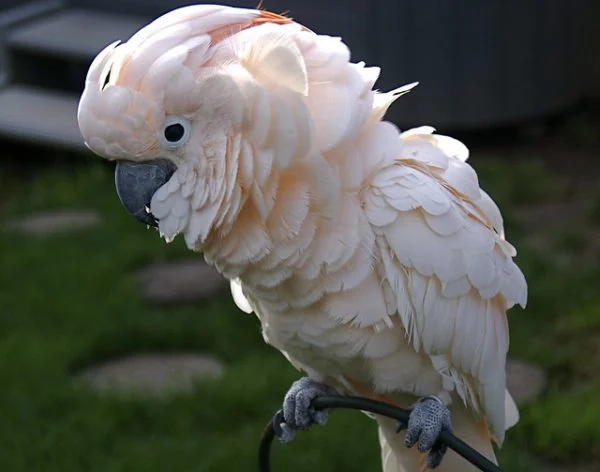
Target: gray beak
136,182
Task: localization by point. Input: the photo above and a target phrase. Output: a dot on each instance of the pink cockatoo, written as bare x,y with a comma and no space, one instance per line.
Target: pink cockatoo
371,256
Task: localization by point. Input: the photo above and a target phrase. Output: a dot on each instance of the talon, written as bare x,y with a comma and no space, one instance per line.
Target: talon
428,418
281,430
297,412
434,459
401,426
276,423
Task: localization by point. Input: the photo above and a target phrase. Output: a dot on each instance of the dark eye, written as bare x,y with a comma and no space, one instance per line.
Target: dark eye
174,132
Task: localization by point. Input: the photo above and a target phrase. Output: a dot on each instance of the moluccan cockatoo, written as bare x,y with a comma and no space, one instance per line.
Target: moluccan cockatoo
372,258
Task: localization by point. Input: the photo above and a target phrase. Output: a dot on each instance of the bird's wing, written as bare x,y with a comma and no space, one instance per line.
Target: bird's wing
448,271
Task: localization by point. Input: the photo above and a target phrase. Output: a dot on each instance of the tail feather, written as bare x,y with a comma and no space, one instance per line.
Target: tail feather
512,412
397,458
388,458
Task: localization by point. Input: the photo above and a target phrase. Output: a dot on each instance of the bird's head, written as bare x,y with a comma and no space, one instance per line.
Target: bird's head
182,107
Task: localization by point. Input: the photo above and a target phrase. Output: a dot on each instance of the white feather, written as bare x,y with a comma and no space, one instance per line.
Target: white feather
238,296
366,252
275,60
452,265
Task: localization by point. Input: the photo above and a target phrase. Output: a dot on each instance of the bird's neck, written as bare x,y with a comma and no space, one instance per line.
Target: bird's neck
277,222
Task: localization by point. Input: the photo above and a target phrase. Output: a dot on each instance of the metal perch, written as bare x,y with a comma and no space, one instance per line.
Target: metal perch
380,408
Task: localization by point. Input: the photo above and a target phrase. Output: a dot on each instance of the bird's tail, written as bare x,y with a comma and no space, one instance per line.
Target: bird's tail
395,457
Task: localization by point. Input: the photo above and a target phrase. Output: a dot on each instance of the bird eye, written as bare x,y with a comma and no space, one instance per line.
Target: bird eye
175,132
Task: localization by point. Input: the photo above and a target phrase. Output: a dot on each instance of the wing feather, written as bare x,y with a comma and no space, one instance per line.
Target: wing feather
448,270
238,296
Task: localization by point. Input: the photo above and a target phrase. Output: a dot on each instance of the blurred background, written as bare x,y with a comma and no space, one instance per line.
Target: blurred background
118,352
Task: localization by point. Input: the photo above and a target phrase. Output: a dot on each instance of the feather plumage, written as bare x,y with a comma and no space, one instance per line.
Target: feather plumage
371,256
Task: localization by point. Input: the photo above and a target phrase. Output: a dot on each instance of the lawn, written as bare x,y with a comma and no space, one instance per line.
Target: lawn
71,300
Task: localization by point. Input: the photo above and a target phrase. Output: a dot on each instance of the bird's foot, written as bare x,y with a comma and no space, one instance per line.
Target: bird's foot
428,418
297,412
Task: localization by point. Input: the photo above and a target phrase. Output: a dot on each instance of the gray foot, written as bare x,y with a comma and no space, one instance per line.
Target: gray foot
297,412
428,418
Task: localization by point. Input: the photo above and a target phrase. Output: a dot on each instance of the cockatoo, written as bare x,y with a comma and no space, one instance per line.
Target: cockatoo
373,259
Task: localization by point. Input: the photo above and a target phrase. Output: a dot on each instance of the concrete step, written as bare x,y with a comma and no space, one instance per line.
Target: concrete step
40,116
45,55
21,13
14,14
75,34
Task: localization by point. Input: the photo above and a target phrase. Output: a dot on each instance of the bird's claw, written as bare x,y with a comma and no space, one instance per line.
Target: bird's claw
283,431
428,418
298,412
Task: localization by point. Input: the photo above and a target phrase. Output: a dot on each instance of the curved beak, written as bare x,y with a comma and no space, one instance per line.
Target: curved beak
136,182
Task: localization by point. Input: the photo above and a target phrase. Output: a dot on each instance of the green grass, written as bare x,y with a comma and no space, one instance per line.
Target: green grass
71,299
594,215
548,417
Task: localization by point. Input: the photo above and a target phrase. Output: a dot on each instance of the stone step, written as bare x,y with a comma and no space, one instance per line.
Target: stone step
74,33
12,16
22,13
41,116
38,106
